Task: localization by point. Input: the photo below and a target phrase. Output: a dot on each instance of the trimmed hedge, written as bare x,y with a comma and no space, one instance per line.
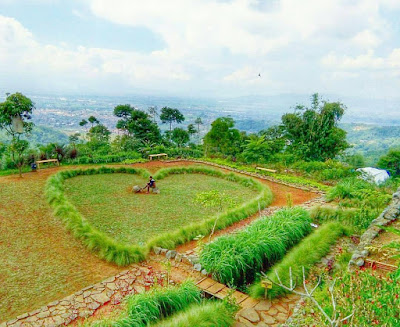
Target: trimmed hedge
236,259
306,254
123,254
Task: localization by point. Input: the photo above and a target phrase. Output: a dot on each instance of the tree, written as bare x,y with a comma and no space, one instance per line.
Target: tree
73,139
391,162
153,112
83,123
137,123
180,136
191,129
93,120
170,115
99,134
223,138
14,111
198,122
312,133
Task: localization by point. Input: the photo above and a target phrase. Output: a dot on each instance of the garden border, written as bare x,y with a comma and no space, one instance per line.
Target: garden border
123,254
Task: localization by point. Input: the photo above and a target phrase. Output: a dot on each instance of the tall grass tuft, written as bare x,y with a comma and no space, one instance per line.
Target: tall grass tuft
207,314
159,303
306,254
236,259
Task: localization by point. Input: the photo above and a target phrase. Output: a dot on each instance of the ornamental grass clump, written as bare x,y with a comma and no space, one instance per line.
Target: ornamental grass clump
159,303
306,254
210,313
236,259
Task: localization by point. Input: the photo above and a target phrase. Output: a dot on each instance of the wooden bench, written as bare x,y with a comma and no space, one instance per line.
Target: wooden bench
266,169
46,161
151,156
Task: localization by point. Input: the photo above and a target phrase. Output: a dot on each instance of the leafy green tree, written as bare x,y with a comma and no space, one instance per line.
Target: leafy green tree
137,123
180,136
83,123
170,115
391,162
99,134
198,122
93,120
356,160
223,137
257,149
312,133
17,108
73,139
191,129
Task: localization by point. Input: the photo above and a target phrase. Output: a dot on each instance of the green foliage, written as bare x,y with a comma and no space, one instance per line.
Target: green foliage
236,259
391,162
137,123
158,303
204,315
373,299
313,132
170,115
99,134
214,198
223,138
180,136
296,180
306,254
358,219
354,192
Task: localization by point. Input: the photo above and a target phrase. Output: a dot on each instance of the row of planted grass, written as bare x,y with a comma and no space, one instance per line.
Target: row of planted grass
124,254
236,259
306,254
180,306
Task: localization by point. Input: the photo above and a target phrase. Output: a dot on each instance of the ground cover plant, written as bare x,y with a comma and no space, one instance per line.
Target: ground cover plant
116,243
303,256
236,259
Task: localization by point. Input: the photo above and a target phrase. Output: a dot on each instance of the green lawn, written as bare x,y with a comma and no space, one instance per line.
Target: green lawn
108,203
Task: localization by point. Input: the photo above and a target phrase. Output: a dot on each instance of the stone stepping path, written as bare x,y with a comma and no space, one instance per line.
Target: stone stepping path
253,312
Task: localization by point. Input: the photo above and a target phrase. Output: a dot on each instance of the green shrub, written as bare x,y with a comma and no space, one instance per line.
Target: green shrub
158,303
306,254
236,259
202,315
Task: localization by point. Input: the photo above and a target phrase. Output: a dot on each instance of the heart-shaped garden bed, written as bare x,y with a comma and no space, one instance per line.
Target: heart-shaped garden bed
98,207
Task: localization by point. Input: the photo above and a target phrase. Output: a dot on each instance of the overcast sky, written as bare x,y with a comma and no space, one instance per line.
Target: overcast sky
201,47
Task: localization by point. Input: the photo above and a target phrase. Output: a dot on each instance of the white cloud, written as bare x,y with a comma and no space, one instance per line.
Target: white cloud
218,45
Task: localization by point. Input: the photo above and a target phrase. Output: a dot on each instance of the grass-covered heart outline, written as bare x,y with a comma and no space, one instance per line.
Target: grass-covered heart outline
123,254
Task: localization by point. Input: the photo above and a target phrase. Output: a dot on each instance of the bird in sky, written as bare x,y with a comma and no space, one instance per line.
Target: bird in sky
259,75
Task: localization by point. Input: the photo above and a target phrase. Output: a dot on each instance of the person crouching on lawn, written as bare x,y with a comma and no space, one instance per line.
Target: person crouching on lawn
151,183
